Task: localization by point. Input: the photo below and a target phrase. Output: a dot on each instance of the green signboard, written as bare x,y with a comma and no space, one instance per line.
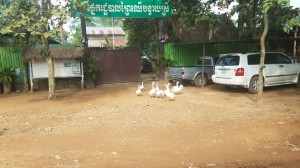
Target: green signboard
129,8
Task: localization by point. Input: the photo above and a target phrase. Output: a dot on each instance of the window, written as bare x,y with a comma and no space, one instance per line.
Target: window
277,58
206,62
269,59
253,59
282,59
229,60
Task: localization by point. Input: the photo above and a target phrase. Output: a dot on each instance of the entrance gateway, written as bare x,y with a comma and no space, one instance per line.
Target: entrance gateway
124,9
127,8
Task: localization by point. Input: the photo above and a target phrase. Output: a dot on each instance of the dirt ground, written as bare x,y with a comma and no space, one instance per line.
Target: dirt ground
110,127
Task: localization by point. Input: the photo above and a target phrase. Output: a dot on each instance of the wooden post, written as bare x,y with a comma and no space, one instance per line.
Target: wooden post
31,76
82,75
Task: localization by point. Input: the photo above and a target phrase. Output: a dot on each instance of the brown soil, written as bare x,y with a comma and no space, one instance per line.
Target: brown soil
111,127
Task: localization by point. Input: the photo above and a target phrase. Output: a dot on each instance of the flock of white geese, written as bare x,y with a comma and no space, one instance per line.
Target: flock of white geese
157,92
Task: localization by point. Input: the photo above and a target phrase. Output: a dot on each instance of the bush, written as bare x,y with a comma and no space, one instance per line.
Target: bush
91,66
6,75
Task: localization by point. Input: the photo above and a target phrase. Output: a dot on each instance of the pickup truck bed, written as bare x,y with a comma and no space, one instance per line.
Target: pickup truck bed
193,73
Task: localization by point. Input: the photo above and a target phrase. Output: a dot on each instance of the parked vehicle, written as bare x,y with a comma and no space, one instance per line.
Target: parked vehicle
146,65
194,73
241,69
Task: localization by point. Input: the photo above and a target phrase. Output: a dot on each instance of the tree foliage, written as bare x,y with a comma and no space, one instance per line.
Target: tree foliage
283,20
191,13
40,19
14,23
187,15
146,28
250,18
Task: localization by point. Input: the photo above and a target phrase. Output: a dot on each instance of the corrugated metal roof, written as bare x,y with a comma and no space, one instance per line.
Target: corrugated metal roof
103,43
119,42
96,43
105,31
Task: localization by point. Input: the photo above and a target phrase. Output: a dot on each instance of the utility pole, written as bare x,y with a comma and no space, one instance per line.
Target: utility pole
85,43
161,32
161,48
295,43
83,31
113,33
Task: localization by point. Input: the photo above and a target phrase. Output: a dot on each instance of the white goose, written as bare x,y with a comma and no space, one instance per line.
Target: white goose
177,89
167,89
142,87
152,91
176,86
171,96
159,94
157,88
168,93
138,92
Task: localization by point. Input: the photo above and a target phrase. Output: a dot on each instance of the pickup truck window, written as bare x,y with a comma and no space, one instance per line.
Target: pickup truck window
207,62
229,60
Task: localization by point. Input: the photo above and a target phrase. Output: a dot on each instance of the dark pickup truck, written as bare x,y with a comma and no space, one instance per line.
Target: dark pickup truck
194,73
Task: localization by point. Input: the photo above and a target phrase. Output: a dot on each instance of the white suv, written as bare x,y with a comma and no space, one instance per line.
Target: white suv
239,69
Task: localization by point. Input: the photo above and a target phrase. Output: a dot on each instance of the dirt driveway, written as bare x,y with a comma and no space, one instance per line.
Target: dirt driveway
110,127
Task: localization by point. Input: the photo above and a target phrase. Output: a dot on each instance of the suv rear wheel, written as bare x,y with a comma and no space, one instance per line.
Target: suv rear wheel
253,85
199,81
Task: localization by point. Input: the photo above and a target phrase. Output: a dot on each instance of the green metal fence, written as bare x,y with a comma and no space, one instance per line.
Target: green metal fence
13,59
10,58
186,54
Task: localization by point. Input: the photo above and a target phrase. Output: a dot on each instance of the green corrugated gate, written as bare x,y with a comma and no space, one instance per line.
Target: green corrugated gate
13,59
186,54
9,58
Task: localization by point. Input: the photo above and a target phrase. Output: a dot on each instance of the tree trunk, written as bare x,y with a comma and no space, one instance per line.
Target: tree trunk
51,78
262,57
46,50
7,88
25,65
51,72
25,77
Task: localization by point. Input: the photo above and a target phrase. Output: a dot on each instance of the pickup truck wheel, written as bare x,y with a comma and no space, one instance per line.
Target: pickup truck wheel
199,81
253,85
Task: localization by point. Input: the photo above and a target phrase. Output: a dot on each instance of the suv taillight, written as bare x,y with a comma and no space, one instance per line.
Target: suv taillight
239,72
182,71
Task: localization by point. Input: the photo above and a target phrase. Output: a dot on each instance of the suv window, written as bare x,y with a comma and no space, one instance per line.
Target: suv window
271,58
282,59
229,60
253,59
277,58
